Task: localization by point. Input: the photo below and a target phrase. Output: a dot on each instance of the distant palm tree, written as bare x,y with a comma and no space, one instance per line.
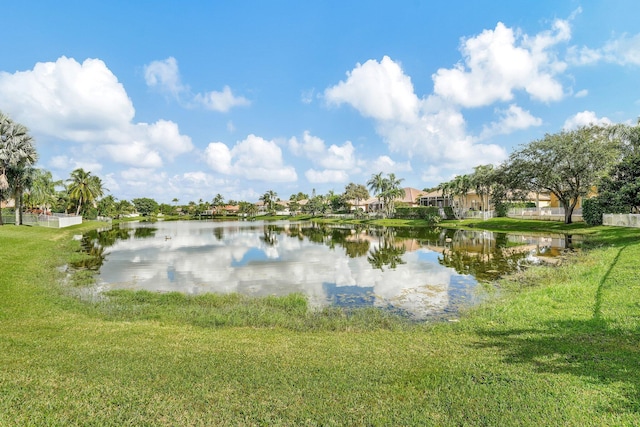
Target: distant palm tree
391,192
376,185
460,187
269,198
84,187
43,192
17,156
483,180
218,202
21,180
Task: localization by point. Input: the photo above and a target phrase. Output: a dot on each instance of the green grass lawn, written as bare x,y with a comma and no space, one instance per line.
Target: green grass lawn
559,346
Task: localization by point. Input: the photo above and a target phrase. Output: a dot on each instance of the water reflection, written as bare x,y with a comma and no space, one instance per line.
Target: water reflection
419,272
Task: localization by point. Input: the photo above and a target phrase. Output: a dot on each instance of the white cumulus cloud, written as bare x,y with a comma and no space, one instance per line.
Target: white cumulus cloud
165,136
624,50
252,158
498,62
387,165
585,118
339,157
511,119
67,99
221,101
164,75
85,103
326,176
379,90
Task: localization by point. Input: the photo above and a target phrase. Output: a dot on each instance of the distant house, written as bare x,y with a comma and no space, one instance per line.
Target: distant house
435,198
556,203
8,204
473,201
230,209
410,198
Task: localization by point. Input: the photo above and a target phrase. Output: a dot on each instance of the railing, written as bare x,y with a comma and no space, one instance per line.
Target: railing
551,214
479,214
56,220
621,220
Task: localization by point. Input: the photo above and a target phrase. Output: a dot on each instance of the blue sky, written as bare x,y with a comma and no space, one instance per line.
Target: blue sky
169,99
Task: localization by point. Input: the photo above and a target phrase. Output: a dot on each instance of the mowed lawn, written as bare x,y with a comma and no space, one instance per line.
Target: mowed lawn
556,346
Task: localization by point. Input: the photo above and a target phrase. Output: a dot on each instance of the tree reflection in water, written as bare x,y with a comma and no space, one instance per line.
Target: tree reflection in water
389,252
95,242
270,235
386,255
484,255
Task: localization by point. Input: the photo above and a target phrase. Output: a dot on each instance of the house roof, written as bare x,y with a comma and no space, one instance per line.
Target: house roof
411,195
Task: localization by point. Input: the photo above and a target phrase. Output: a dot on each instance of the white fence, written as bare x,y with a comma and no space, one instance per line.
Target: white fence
621,220
57,220
479,214
549,214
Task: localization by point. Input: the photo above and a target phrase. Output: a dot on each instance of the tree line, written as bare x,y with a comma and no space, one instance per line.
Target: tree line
595,163
601,162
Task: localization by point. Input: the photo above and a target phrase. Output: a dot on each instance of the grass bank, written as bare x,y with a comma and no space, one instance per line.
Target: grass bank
559,348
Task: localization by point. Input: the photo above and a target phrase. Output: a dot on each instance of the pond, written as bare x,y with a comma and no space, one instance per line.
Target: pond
418,272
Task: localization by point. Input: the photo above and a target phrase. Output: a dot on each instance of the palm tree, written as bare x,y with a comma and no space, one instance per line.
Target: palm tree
17,155
391,192
483,180
218,202
460,187
269,199
43,192
20,180
376,185
84,187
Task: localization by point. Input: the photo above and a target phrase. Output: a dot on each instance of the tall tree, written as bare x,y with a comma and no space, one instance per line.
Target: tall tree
568,164
218,202
17,156
20,180
483,180
43,192
391,191
357,192
145,206
84,188
269,199
376,185
619,190
460,187
247,209
107,206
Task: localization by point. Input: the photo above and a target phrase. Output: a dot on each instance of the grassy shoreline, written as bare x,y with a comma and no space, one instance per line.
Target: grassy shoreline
559,349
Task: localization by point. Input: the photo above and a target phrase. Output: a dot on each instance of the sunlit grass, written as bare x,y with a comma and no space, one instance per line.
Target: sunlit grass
557,346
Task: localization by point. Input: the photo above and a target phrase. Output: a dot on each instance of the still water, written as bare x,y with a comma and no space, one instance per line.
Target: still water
418,272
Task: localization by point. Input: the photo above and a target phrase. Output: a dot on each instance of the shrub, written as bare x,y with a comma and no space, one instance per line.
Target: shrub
501,209
448,213
419,212
592,210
